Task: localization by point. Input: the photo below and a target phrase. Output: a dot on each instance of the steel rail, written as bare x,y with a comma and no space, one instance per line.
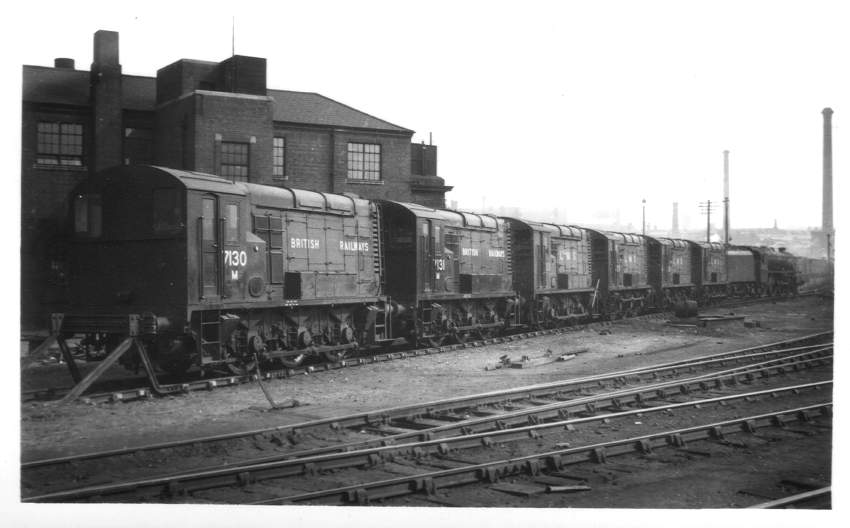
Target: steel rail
794,499
535,415
233,380
289,465
533,464
409,411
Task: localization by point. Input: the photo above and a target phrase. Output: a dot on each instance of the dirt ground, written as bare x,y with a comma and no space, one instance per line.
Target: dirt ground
51,430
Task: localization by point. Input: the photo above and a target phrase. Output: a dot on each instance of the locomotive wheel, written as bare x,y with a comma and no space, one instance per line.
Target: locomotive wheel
460,337
487,333
293,361
179,357
346,336
176,367
336,356
242,368
434,341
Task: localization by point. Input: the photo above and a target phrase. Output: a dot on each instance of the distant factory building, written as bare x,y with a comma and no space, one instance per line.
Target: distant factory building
213,117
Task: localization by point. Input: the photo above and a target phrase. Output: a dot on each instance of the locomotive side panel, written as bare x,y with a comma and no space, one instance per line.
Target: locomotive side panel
572,266
741,265
708,264
553,272
630,287
629,265
478,259
448,273
671,271
677,266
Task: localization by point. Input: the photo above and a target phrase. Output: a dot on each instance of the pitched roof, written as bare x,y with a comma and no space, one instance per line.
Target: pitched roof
315,109
43,84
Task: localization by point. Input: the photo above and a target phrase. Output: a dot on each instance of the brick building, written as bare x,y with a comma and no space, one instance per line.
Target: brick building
213,117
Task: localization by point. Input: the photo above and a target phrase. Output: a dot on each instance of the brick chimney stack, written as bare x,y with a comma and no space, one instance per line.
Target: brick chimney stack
106,102
675,233
726,197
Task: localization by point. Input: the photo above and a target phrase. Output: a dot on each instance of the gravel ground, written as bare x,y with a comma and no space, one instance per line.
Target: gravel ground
52,430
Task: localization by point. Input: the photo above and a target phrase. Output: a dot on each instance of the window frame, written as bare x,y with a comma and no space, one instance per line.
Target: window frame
279,153
364,162
60,152
227,162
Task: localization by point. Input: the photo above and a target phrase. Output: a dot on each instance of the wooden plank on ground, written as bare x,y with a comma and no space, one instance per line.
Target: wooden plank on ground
523,490
566,489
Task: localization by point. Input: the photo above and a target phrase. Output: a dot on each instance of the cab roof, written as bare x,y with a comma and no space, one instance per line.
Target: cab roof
261,195
623,238
558,230
450,217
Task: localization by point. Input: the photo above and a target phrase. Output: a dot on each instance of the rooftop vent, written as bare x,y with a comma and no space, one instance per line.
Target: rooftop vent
63,62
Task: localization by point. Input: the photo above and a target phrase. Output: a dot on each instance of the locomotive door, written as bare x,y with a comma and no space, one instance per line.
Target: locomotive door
234,256
210,236
428,257
542,260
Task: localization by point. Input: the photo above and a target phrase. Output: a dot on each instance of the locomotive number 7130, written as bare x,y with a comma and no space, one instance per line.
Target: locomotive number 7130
235,258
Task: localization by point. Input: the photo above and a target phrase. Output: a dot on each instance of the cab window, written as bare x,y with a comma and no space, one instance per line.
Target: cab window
167,213
231,225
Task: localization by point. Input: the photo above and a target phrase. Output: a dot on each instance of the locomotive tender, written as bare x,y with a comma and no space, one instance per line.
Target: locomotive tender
214,274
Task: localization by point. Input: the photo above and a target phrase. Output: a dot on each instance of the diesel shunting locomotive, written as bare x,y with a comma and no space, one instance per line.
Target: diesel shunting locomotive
220,274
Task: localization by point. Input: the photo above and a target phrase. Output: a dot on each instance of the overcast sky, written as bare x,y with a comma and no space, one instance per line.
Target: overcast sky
587,107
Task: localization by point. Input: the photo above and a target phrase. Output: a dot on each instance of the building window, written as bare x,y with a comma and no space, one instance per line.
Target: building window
138,146
234,161
60,144
364,161
279,158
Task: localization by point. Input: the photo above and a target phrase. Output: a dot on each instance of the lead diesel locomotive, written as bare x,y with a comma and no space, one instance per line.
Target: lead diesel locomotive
218,274
222,273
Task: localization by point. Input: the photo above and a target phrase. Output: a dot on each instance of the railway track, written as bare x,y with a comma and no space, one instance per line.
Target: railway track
133,393
821,497
439,428
551,463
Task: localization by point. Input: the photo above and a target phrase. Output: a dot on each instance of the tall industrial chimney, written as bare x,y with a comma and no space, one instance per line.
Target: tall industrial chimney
675,219
827,171
726,197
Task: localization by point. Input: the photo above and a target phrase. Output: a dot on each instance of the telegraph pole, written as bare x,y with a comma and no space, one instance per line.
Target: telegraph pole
643,218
